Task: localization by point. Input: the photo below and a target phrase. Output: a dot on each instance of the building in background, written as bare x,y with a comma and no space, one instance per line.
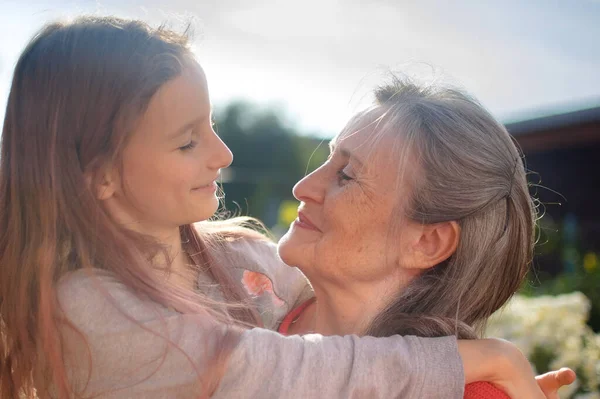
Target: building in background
562,153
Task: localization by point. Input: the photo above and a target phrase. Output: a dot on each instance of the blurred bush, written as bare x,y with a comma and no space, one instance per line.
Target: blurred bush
270,156
552,332
580,268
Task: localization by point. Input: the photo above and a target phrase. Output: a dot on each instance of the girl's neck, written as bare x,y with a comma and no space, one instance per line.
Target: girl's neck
181,273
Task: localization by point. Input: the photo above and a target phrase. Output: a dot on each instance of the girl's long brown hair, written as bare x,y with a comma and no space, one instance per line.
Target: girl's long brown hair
77,90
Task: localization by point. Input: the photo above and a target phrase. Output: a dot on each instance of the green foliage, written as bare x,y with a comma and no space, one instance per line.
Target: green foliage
270,156
541,357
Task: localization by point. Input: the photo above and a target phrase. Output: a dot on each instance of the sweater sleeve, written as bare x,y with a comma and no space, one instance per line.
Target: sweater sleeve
314,366
131,347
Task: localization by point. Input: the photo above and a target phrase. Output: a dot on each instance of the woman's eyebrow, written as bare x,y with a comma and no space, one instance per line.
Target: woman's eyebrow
346,153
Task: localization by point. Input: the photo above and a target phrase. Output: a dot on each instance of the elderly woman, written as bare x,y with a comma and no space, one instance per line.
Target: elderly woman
420,222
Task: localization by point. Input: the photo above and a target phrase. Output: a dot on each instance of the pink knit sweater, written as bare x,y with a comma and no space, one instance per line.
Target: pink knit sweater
476,390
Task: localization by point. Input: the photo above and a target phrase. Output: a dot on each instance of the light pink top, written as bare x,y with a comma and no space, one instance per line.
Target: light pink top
127,350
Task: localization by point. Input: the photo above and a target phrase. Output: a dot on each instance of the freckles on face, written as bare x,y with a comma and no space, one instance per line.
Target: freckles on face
351,198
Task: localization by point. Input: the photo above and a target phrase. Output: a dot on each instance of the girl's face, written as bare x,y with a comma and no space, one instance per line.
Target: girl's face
172,160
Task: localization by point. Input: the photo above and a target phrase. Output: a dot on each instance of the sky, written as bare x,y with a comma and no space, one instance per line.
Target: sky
317,59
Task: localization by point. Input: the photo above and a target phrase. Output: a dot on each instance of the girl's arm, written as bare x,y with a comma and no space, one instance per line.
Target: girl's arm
489,360
130,357
314,366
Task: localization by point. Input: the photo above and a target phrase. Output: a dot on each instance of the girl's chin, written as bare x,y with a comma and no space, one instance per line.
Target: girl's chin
207,211
200,217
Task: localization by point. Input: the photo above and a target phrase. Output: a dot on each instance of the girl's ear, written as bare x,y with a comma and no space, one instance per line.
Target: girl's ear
103,182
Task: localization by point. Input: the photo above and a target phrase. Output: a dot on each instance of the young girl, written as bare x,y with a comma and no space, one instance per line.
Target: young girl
107,290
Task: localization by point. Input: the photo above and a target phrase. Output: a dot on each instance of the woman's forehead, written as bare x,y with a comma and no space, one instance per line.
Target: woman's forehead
364,123
381,146
365,137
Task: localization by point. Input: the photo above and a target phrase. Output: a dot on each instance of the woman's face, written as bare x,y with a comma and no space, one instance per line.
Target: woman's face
172,160
347,207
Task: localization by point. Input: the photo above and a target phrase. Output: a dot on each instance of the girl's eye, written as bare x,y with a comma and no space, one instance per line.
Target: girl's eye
188,146
343,177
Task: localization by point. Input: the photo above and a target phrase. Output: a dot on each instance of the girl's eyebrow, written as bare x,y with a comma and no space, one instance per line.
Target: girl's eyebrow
184,129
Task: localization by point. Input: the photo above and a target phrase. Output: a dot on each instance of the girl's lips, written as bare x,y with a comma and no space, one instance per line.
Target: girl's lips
305,223
211,187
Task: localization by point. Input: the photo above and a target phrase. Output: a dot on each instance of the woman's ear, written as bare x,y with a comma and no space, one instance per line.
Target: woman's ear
433,244
103,182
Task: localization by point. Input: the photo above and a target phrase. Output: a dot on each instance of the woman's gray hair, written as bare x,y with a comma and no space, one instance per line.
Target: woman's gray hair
469,171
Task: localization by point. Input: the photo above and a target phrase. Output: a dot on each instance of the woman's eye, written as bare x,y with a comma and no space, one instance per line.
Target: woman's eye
343,177
188,146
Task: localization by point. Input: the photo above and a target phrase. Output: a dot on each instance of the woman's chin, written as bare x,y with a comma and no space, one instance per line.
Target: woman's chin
287,250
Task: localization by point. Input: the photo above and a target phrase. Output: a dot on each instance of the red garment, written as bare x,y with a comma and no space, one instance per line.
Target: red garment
287,321
484,390
475,390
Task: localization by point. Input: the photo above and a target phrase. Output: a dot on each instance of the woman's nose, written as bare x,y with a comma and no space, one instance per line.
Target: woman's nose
311,187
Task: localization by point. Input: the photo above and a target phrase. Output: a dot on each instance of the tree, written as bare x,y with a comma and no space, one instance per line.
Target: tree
270,156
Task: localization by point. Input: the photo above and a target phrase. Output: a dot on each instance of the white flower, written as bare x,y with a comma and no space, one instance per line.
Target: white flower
557,325
589,395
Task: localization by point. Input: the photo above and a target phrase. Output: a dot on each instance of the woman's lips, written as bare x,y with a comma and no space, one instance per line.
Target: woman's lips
303,222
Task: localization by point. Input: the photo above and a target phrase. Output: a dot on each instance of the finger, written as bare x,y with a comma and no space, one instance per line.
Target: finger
550,382
566,376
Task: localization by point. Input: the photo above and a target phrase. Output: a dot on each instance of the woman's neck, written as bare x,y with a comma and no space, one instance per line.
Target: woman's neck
345,310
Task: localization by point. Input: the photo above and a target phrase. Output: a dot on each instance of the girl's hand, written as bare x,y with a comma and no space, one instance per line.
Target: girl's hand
550,382
501,363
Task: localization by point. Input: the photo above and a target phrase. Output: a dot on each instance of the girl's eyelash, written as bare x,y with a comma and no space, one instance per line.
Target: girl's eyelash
188,146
